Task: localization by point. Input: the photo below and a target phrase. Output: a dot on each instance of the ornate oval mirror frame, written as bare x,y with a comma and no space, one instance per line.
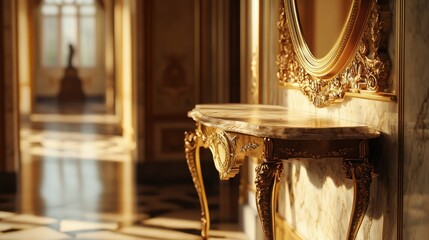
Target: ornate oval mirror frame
357,62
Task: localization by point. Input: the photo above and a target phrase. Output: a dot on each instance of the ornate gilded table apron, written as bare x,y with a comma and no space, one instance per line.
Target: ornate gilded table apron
274,133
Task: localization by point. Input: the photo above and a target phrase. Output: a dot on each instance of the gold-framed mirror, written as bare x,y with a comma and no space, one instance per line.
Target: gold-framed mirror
329,48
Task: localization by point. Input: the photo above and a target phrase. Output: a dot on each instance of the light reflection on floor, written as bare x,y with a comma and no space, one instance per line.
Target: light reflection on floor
77,182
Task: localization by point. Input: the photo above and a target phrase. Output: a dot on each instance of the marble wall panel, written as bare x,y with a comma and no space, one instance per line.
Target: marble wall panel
416,121
321,187
316,198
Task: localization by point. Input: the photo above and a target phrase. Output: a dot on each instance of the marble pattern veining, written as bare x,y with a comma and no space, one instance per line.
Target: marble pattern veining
278,122
416,117
380,219
308,181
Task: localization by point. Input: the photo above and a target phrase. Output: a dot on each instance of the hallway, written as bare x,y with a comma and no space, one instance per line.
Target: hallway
77,181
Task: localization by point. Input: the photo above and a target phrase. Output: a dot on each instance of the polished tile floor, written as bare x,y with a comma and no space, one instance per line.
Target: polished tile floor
77,181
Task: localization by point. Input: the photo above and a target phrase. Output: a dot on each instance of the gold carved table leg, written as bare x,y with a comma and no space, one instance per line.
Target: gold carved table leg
360,172
192,151
267,177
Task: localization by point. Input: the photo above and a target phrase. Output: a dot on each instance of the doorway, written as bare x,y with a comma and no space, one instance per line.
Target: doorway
69,35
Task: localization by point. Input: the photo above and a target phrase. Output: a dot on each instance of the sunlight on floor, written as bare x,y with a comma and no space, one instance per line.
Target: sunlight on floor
77,182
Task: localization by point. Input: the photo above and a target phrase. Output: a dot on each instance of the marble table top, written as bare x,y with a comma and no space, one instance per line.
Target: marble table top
278,122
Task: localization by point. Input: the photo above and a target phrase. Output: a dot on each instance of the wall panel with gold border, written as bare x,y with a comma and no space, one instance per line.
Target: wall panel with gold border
171,69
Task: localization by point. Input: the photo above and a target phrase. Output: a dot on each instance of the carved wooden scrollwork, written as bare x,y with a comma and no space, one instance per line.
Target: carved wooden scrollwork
191,145
370,68
360,171
367,71
248,147
224,149
267,176
292,152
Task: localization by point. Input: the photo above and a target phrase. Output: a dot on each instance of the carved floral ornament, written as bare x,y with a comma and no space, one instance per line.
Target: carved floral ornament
223,146
365,71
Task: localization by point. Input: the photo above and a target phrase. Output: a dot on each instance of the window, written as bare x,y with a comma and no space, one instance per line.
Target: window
66,22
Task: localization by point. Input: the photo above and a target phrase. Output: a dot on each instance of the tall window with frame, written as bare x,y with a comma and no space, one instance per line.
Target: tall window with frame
64,23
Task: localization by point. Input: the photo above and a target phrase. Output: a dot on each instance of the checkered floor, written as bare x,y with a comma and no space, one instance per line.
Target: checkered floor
163,212
77,182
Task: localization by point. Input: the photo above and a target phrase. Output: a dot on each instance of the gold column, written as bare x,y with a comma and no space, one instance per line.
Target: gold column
124,67
110,56
24,52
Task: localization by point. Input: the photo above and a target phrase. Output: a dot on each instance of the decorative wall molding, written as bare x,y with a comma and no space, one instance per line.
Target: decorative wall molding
367,73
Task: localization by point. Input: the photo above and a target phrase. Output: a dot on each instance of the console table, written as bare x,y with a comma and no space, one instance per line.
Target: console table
274,133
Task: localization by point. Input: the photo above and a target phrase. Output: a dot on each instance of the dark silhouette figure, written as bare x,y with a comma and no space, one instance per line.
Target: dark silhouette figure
71,85
70,58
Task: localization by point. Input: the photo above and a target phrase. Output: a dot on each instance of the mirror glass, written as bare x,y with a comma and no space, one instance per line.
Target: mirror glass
321,23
